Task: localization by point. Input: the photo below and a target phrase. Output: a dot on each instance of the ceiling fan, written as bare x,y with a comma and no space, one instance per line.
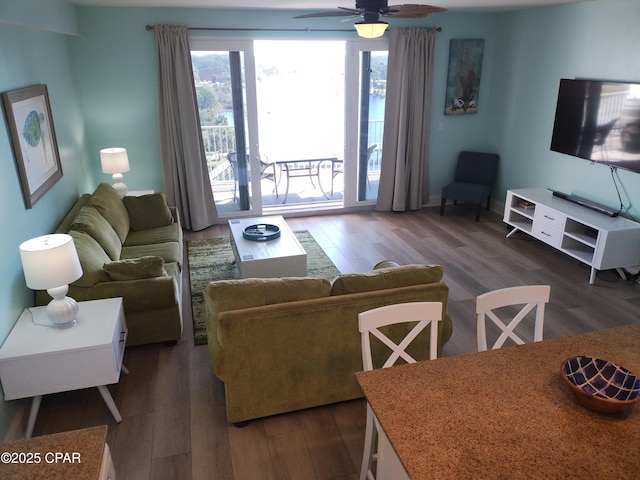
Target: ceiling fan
372,10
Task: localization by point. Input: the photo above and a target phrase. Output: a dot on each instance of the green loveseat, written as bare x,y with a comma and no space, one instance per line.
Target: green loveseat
132,248
286,344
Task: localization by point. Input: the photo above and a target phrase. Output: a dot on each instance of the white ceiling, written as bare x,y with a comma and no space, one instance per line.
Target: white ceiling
461,5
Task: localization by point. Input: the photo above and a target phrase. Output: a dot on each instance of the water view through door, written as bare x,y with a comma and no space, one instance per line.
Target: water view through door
300,95
274,122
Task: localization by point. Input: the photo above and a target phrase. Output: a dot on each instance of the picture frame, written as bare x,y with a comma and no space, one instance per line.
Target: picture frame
463,76
35,147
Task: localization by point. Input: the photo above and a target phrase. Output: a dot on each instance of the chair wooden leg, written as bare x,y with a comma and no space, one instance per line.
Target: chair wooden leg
478,210
370,438
488,202
442,202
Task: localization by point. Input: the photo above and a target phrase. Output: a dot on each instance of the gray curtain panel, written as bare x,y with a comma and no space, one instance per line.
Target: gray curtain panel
403,178
184,166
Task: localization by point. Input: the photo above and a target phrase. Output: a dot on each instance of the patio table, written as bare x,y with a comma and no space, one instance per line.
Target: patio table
309,167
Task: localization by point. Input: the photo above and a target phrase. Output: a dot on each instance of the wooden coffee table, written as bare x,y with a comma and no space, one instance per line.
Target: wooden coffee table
280,257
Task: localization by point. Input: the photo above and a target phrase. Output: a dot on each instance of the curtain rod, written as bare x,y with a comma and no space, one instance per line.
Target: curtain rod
150,27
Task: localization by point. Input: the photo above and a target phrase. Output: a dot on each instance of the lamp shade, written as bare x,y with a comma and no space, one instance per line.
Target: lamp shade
371,29
114,160
50,261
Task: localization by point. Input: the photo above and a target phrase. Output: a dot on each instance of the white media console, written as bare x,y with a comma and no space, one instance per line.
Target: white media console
600,241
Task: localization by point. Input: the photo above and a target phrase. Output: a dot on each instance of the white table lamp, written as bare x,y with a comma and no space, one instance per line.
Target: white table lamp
50,263
115,161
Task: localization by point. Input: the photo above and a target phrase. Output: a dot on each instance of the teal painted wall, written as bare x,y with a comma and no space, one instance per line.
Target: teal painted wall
32,53
116,64
596,39
100,68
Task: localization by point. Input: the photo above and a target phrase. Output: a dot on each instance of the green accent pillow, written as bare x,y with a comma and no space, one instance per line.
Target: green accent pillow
90,221
136,268
92,257
108,202
255,292
385,278
148,211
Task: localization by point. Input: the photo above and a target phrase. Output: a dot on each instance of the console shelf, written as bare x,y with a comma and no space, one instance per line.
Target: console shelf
600,241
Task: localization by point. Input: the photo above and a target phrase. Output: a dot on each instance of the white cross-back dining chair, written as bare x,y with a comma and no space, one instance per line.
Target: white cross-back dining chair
424,314
529,296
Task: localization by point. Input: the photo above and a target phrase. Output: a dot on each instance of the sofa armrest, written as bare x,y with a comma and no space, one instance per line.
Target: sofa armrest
137,295
175,214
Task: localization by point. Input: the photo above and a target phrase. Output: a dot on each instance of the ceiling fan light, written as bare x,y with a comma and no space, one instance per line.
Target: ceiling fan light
371,29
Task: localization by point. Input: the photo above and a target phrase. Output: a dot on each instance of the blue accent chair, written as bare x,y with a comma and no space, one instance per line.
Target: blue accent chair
475,174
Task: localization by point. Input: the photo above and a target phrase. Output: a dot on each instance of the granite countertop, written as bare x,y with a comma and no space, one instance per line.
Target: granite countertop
75,455
507,413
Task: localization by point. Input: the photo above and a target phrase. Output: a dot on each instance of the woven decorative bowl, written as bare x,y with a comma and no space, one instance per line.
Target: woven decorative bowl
601,385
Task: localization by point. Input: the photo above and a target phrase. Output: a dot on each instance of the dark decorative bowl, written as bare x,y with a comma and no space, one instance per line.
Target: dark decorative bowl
601,385
261,233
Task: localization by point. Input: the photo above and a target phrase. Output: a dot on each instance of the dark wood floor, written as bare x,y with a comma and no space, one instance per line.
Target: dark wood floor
174,424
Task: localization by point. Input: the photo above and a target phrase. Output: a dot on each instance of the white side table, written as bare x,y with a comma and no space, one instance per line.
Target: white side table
36,360
139,193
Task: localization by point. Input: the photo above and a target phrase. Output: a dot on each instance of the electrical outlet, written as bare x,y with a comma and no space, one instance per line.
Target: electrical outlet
441,127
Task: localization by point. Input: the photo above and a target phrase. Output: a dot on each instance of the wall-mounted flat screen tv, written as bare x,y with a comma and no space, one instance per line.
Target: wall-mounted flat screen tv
599,121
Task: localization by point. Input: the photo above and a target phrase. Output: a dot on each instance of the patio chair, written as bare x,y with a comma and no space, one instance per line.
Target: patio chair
267,171
232,158
337,167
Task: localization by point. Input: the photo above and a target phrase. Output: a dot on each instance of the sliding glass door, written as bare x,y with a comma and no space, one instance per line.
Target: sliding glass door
301,107
223,75
291,124
366,87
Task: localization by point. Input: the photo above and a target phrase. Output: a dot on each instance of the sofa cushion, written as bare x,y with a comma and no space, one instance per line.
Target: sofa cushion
223,295
89,220
92,257
169,251
148,211
135,268
385,278
108,202
168,233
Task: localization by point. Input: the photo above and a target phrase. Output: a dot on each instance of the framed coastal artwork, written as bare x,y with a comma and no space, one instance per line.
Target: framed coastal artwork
463,77
34,140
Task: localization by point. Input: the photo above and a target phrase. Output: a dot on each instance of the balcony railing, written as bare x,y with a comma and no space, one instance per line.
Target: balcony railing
220,140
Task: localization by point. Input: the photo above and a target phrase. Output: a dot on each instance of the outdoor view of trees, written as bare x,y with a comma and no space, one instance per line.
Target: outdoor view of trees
378,74
213,87
213,79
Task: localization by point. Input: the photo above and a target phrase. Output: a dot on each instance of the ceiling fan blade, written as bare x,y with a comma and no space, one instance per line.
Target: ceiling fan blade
410,11
342,12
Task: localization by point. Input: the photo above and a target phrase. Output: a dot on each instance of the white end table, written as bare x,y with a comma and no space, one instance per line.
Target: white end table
36,359
139,193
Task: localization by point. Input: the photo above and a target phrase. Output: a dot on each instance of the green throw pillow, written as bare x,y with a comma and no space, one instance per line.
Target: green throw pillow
108,202
385,278
135,269
148,211
90,221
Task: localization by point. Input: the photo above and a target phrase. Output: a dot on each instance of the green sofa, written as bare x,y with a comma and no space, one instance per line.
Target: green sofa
286,344
132,248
